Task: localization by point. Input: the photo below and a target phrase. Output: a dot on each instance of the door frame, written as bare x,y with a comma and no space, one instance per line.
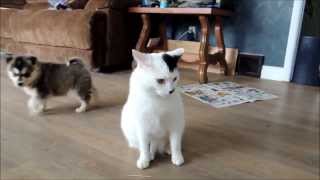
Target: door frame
285,73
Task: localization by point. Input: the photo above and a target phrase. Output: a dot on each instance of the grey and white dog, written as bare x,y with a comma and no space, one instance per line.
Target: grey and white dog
43,80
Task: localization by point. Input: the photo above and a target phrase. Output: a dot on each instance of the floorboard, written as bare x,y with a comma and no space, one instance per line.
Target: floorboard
274,139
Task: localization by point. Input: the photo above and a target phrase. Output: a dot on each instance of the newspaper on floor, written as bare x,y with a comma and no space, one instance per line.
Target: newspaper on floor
225,94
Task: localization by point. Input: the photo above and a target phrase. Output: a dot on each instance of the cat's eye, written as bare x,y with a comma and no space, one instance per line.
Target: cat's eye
160,81
174,79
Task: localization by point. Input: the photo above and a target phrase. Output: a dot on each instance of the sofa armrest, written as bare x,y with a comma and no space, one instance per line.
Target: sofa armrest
18,4
55,28
36,6
116,4
117,52
5,28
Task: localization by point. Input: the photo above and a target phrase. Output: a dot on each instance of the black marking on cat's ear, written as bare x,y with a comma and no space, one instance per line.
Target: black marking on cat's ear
171,61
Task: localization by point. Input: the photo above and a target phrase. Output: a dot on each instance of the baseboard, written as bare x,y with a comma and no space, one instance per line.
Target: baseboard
274,73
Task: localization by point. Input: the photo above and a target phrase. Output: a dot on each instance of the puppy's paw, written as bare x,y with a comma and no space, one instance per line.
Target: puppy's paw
35,113
37,110
177,159
81,109
142,163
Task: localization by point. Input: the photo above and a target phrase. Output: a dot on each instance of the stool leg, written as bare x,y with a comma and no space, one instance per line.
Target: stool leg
218,32
163,34
204,47
144,36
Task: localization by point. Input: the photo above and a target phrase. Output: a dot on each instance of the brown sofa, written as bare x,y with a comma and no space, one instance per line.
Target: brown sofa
95,33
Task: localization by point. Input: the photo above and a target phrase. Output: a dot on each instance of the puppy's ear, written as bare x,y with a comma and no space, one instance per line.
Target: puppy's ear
142,59
33,60
9,58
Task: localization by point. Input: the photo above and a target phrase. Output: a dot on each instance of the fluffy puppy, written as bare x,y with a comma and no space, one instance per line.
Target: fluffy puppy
43,80
153,116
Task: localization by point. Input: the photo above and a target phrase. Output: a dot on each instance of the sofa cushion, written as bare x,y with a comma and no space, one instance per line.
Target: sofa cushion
74,4
49,53
37,6
77,4
36,1
5,26
117,4
12,3
95,4
54,28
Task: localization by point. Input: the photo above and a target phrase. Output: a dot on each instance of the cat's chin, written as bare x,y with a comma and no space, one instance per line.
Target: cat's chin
164,95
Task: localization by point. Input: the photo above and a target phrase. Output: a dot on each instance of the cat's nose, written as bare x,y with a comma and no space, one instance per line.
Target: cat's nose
171,91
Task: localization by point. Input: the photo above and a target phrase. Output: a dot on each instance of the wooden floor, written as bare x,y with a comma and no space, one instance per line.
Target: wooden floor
275,139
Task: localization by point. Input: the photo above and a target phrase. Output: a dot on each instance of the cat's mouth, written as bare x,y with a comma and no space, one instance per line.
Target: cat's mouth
167,94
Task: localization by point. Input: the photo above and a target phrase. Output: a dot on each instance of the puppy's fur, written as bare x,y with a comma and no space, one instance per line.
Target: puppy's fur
43,80
153,116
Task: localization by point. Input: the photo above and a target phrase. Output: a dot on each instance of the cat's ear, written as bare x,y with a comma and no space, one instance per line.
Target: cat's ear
177,52
142,59
171,58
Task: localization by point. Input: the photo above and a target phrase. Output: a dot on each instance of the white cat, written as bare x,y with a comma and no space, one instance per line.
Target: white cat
153,116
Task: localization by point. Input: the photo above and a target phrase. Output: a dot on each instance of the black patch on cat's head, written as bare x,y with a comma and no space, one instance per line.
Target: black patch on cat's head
171,61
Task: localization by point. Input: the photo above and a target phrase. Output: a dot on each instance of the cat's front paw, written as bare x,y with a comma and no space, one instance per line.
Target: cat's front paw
142,163
177,159
152,155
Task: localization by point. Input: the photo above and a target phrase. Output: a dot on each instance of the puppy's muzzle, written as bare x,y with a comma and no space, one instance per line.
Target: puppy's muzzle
172,91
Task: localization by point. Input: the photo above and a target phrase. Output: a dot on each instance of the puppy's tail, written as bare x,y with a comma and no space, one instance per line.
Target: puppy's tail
74,61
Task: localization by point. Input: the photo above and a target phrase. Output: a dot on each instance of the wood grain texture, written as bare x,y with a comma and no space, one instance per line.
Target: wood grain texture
275,139
163,33
144,34
218,33
204,49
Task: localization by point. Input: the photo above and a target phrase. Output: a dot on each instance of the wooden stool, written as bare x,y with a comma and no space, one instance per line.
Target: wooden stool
203,16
